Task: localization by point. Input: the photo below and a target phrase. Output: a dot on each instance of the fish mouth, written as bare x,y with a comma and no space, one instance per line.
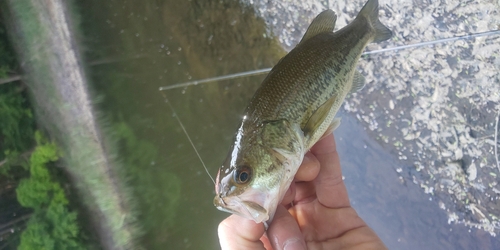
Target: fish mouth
246,209
220,204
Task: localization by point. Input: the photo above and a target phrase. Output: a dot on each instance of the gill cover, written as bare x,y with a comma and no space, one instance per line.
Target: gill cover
272,162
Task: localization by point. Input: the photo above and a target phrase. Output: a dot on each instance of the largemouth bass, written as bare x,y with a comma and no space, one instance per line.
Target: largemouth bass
293,108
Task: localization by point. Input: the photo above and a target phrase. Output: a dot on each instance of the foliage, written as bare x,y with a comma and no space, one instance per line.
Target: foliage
163,200
6,56
16,121
16,137
16,118
53,225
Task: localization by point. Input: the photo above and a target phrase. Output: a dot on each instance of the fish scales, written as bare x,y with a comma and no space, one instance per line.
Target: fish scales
293,108
306,78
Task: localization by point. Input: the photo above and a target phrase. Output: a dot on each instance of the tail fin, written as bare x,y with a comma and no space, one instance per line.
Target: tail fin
370,12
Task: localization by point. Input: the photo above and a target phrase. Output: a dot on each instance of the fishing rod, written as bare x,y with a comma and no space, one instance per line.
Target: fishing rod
266,70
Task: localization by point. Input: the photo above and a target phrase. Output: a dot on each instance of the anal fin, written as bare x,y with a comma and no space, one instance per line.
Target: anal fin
334,125
358,82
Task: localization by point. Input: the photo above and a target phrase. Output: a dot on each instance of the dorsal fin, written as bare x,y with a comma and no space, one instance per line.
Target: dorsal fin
324,22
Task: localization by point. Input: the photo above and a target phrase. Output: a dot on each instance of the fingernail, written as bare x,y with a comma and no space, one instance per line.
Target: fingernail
306,159
294,244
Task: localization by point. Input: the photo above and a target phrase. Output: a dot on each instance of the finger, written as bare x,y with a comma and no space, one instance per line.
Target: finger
289,195
330,188
330,223
309,168
359,238
307,172
344,230
285,232
267,243
236,232
304,192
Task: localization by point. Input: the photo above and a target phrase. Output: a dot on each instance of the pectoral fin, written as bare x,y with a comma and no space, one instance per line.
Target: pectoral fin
324,22
318,117
358,82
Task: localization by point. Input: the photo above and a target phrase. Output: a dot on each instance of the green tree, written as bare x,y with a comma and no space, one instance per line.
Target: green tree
16,118
53,225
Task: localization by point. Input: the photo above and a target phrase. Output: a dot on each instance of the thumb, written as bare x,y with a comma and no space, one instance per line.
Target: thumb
236,232
284,232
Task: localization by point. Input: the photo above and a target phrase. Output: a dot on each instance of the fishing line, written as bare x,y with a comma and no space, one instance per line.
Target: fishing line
444,40
189,138
496,140
218,78
266,70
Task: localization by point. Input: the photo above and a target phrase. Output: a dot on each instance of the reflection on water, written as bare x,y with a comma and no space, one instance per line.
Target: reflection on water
136,47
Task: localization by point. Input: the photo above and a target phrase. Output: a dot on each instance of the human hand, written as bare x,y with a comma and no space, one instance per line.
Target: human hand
321,216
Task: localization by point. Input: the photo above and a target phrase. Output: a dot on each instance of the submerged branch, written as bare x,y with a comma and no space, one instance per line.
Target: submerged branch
10,79
5,228
26,155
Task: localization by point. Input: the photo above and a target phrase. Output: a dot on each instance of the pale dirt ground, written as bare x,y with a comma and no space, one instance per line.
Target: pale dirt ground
434,107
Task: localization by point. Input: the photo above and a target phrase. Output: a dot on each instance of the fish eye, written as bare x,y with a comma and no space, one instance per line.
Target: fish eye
243,174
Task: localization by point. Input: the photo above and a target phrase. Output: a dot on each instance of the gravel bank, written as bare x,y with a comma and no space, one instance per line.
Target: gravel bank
435,107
